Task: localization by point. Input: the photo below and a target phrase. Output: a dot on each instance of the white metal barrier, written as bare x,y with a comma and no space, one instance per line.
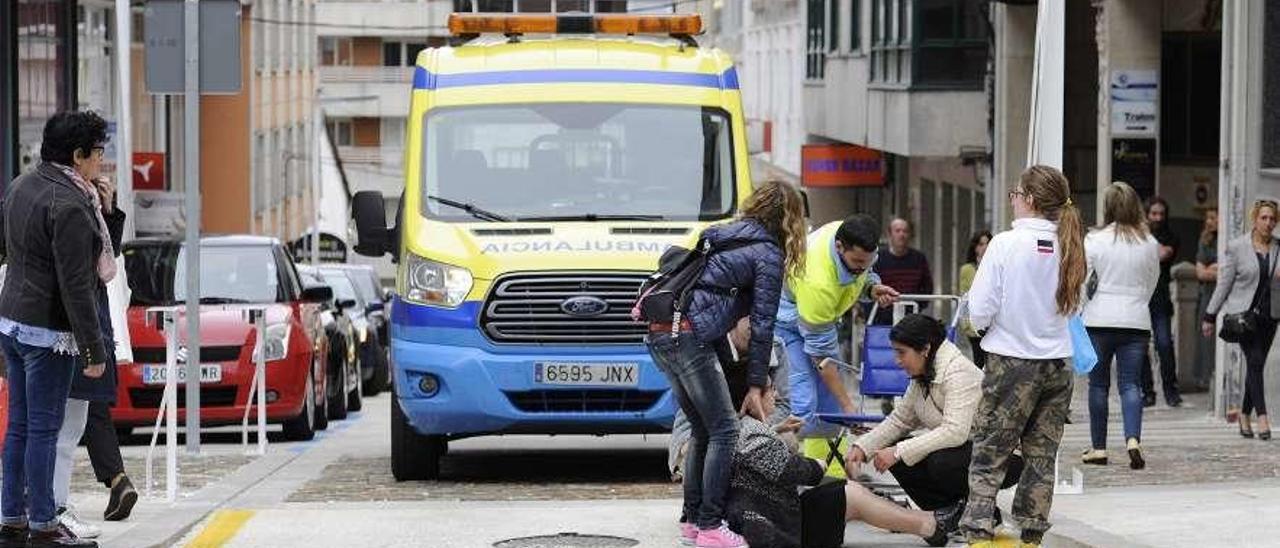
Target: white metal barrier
165,316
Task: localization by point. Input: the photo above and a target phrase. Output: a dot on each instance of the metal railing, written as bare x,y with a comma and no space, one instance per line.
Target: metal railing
365,74
371,155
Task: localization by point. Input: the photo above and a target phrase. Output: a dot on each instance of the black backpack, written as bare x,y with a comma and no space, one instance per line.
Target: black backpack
664,296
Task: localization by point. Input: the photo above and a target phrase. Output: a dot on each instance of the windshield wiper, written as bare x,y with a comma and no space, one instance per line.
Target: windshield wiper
593,217
482,214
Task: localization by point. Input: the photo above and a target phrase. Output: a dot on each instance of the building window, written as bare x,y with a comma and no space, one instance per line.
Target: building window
401,54
1190,88
393,132
890,48
816,56
951,50
1271,87
928,43
855,25
260,175
340,131
336,51
392,54
833,19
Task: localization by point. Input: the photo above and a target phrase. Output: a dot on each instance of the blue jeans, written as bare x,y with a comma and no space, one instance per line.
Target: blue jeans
698,383
39,380
1162,331
809,395
1129,348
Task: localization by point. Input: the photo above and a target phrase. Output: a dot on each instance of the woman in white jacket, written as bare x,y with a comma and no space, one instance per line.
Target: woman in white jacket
1125,260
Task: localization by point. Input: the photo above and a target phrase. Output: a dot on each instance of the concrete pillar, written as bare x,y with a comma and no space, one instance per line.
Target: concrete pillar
1241,180
1015,32
1129,33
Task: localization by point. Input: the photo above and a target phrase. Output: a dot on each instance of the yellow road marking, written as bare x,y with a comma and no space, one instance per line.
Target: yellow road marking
222,527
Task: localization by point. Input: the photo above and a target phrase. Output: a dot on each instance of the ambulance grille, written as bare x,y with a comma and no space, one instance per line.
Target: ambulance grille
526,309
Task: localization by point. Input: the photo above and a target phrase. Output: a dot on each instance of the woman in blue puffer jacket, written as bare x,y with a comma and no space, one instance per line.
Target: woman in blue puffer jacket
742,281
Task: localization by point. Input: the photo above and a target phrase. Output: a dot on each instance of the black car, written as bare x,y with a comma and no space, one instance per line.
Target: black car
369,319
346,384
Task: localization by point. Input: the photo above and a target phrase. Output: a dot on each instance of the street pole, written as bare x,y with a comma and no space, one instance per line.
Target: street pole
316,187
124,114
191,165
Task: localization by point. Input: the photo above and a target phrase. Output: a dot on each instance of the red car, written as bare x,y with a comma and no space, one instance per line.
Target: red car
233,270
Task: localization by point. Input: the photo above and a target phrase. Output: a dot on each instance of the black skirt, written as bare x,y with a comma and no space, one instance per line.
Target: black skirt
822,511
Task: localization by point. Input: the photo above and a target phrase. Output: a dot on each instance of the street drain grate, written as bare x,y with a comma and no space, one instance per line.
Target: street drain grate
567,540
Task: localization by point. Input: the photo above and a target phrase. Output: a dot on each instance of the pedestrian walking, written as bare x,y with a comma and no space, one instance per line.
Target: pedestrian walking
766,503
924,442
977,248
101,442
743,280
1207,275
1124,267
58,255
903,268
836,276
1027,286
1161,308
1247,290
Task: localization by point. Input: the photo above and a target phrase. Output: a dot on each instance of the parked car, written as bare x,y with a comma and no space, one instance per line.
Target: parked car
233,270
370,321
345,381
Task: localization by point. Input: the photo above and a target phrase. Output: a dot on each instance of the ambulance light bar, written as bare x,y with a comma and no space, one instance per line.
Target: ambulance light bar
464,24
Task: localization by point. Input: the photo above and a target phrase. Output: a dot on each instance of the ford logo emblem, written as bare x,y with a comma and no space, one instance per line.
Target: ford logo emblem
584,306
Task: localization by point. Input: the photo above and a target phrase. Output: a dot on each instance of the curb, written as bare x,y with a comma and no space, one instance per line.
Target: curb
1069,533
183,515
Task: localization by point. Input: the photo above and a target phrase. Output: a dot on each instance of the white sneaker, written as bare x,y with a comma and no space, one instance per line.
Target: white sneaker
77,526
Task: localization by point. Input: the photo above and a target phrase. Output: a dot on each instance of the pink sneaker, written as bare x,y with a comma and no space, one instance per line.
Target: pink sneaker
720,537
688,534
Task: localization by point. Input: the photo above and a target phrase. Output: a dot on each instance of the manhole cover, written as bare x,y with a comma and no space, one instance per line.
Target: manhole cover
567,540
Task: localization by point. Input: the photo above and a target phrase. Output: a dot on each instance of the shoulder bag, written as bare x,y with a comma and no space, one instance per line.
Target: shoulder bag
1242,326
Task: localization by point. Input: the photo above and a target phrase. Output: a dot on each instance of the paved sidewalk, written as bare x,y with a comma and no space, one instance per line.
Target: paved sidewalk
1204,485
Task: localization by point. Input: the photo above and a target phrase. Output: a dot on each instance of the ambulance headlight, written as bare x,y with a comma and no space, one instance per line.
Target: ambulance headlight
435,283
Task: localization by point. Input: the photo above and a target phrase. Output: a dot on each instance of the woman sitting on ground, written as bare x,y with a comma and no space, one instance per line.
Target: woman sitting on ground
933,466
765,502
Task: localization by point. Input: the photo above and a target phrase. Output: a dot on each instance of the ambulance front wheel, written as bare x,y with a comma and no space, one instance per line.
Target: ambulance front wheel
414,457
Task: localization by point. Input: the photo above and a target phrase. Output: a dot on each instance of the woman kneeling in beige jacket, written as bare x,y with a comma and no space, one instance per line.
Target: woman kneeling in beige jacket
932,466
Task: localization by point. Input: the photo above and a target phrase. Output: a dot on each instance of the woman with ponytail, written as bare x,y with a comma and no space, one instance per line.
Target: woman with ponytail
932,465
1027,386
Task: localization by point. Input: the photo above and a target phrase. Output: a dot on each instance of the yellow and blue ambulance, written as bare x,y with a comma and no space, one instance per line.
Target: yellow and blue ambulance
550,160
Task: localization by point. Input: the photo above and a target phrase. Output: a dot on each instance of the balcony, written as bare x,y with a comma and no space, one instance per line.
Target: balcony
382,19
386,157
367,75
370,91
374,168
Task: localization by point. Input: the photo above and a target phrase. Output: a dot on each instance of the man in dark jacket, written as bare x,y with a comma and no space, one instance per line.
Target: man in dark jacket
53,243
904,268
1161,308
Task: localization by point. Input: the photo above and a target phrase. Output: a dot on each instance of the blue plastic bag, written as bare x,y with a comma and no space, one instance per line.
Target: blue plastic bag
1084,357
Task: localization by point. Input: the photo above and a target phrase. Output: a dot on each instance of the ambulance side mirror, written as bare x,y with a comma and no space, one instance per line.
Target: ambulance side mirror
373,238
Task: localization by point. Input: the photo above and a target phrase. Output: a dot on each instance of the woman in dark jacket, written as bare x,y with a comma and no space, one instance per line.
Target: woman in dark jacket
58,254
743,281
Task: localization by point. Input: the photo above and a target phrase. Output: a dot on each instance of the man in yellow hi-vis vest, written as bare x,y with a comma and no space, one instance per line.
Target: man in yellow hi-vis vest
837,275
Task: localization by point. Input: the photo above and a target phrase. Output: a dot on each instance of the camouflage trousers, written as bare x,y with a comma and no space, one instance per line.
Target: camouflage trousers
1024,405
